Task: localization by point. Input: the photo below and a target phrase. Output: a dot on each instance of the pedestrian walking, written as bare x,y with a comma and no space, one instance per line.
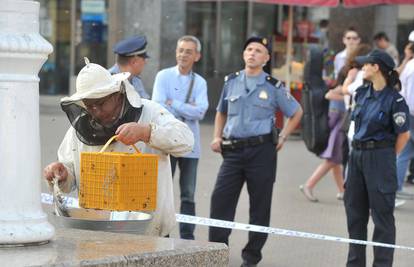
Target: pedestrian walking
131,56
407,154
245,135
381,130
337,150
184,93
333,153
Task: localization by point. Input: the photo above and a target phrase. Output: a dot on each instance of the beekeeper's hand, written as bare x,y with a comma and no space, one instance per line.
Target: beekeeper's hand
55,169
133,132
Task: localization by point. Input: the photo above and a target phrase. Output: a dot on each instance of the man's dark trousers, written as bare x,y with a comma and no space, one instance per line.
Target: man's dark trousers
255,165
188,175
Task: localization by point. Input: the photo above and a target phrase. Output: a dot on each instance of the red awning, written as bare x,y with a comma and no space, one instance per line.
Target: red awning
329,3
358,3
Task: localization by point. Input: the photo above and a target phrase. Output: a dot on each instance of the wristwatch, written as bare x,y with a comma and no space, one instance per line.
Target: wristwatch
282,136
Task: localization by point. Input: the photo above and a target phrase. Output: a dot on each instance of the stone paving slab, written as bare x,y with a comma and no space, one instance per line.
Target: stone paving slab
72,247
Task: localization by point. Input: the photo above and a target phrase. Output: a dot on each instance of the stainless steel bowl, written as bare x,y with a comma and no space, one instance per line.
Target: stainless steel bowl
99,220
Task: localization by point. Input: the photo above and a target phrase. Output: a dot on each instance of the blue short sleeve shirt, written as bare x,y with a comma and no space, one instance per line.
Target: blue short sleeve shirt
379,115
251,110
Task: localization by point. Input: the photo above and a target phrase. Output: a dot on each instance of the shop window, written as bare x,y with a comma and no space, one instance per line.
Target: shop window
221,27
232,36
91,32
90,40
201,22
55,27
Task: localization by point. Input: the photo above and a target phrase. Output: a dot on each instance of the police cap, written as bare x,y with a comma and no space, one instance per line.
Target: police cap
377,57
132,46
257,39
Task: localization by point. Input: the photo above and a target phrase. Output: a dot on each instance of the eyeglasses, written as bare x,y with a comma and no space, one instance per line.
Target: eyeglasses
352,38
187,52
94,104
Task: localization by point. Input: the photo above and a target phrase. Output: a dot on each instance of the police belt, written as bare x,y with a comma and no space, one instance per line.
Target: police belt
230,144
366,145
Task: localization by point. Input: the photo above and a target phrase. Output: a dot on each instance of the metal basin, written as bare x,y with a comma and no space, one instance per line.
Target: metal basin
99,220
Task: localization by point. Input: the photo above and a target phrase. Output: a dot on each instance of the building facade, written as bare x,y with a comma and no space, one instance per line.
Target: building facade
89,28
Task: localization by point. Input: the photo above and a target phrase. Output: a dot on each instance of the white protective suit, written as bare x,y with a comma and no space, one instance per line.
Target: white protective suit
168,136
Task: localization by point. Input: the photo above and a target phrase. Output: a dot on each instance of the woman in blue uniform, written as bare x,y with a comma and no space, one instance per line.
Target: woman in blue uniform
381,131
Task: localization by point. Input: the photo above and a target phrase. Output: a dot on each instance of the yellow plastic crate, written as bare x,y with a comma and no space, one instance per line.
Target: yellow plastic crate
118,181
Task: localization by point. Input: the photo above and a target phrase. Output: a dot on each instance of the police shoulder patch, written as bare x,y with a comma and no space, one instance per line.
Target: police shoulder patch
231,76
275,82
399,118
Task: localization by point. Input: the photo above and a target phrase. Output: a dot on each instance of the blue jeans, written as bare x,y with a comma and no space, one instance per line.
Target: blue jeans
405,156
402,161
188,174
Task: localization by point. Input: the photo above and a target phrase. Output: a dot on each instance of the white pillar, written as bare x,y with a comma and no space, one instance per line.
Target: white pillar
22,53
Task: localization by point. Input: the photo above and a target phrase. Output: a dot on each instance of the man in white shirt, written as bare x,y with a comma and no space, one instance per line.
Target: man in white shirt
105,105
351,40
184,93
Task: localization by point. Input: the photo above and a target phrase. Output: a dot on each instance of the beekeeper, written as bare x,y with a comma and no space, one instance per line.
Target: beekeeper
105,105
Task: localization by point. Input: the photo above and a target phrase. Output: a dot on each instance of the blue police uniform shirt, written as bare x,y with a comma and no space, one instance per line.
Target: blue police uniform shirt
251,109
379,115
134,80
171,84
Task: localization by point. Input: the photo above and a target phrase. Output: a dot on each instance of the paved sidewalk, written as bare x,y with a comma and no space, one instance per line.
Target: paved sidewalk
290,209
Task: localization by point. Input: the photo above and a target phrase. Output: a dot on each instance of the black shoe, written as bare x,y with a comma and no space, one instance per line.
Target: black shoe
246,264
410,178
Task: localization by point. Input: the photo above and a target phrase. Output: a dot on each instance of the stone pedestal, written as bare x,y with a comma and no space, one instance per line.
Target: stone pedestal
22,53
87,248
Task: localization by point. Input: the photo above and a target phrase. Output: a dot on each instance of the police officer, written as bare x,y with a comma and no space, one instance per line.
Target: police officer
132,57
243,129
381,131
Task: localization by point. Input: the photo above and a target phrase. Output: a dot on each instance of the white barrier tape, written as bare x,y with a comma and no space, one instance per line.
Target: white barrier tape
278,231
74,203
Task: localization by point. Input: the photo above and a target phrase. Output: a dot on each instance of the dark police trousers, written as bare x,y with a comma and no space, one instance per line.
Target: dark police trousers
371,185
255,165
188,176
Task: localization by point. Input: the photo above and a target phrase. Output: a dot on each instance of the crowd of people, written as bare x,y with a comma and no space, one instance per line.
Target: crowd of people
372,103
367,92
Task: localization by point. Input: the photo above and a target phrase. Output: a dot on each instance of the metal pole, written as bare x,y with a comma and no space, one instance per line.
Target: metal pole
72,52
217,52
289,48
250,7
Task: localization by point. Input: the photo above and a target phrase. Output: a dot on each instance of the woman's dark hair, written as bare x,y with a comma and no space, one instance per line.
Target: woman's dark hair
391,77
360,50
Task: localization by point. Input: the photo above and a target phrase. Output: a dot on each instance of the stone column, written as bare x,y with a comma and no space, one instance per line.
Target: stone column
22,53
386,20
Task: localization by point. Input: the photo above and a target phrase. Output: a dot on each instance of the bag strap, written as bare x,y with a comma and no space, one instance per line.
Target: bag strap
190,88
